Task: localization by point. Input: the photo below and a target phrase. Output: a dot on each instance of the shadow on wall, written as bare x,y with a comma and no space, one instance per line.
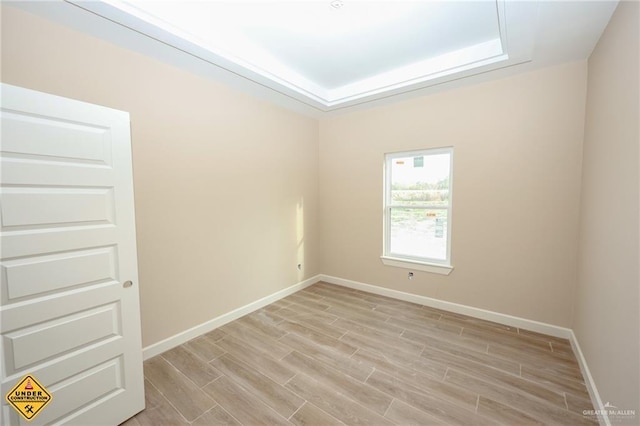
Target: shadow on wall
300,238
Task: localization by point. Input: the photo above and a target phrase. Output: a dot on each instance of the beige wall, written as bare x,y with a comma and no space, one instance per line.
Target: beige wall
517,150
226,186
606,320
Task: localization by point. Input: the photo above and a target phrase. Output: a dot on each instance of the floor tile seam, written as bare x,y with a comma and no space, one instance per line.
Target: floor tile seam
353,354
366,306
520,342
356,316
444,377
482,376
243,363
410,315
341,301
338,393
557,346
350,297
512,389
561,390
410,369
218,329
250,391
363,323
394,336
310,305
587,399
424,392
498,331
531,361
423,345
435,420
313,329
526,412
271,357
522,411
187,377
346,315
271,323
346,305
387,410
519,352
318,408
473,328
169,401
543,337
230,415
186,347
239,360
420,357
447,337
560,358
420,388
295,374
283,336
299,408
323,347
257,330
298,305
373,370
220,373
196,419
565,379
404,352
308,294
463,359
317,329
409,341
331,382
418,321
249,388
554,371
346,392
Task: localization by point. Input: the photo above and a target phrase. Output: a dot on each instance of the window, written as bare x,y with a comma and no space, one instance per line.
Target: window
417,214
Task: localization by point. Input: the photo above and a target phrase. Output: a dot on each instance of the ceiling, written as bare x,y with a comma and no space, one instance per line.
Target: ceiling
323,56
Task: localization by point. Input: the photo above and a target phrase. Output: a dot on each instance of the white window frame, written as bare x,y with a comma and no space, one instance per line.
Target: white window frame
410,262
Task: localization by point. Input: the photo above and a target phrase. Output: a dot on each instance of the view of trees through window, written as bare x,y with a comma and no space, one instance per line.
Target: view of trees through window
418,205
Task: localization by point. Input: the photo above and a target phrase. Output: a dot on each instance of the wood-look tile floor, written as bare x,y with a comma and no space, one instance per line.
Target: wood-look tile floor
330,355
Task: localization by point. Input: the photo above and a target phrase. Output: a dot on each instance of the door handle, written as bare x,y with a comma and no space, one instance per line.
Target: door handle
127,284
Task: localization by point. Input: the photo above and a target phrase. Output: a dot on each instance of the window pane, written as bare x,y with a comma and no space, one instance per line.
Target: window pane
419,233
421,180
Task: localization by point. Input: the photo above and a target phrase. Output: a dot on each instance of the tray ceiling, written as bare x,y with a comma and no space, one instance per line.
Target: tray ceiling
329,55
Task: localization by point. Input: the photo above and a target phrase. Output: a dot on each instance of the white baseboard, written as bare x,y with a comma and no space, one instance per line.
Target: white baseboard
527,324
183,337
591,385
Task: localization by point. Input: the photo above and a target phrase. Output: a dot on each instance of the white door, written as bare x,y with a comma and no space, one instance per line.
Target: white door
69,316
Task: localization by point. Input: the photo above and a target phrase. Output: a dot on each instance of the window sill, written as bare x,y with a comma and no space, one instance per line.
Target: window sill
417,266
